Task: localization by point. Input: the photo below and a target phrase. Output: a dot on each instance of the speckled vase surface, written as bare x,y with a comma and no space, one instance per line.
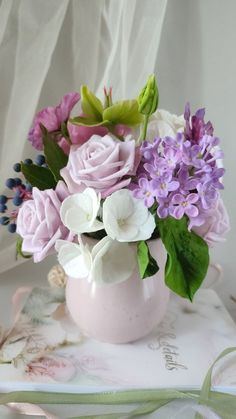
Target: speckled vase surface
122,312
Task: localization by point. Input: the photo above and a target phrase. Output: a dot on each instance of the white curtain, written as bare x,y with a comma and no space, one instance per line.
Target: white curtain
50,47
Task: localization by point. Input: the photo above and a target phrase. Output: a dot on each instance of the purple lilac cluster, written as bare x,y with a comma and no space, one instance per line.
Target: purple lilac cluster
181,174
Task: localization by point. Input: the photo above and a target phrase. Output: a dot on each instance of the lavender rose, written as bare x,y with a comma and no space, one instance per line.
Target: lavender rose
39,222
214,223
102,163
52,118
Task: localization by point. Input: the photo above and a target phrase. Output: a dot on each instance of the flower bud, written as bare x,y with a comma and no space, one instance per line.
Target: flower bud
148,98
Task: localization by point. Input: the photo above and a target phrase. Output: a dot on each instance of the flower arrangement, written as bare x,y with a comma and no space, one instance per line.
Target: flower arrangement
122,173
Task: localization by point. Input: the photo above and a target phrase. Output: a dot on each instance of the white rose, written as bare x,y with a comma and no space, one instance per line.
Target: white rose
162,124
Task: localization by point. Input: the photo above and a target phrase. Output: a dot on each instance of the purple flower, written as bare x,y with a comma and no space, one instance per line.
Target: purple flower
214,176
184,205
192,156
175,143
157,169
196,127
164,185
186,182
172,157
150,150
52,118
163,209
146,191
207,194
180,170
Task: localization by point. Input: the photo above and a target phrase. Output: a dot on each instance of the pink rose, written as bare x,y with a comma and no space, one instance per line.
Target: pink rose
52,118
102,163
216,224
39,222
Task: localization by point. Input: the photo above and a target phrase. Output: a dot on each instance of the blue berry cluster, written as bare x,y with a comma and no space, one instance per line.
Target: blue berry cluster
21,191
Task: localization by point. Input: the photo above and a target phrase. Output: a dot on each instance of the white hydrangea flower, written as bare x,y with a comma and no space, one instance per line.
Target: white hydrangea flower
75,259
79,212
126,218
113,262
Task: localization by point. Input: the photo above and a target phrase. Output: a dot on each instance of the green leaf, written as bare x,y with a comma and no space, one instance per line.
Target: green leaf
38,176
55,157
187,259
19,249
87,122
91,105
147,264
123,112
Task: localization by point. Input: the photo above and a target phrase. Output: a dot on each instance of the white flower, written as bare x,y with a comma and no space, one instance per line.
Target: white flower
113,262
126,218
162,123
109,262
75,259
79,211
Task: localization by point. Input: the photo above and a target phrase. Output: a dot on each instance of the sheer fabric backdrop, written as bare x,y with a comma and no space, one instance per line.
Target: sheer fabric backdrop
48,48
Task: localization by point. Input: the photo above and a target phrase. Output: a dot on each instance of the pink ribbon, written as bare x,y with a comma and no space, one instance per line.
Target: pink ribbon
17,301
30,409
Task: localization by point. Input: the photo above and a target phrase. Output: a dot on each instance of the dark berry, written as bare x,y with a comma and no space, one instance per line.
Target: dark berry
12,228
28,161
10,183
28,187
17,201
3,208
17,167
18,193
40,160
4,221
18,181
3,199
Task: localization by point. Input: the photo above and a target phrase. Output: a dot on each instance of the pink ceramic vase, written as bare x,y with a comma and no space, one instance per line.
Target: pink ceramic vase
122,312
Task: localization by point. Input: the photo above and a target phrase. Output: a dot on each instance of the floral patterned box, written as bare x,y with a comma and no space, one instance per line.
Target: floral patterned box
45,351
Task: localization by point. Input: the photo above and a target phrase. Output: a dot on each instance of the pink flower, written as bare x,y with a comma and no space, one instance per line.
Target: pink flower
39,222
52,118
80,134
102,163
57,368
214,223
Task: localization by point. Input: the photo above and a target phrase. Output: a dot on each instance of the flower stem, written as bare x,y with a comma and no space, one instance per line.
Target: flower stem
143,133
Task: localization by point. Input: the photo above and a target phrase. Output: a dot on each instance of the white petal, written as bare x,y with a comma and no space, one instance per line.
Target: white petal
76,260
113,262
146,229
59,244
79,211
140,212
126,218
